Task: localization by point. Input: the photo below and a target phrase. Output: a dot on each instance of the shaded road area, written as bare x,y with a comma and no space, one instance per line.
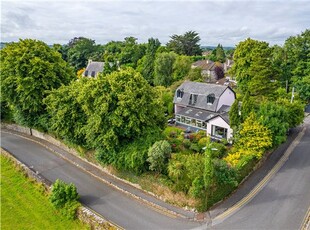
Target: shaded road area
284,201
114,205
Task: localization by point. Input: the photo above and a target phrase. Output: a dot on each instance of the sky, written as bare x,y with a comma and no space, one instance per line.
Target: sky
223,21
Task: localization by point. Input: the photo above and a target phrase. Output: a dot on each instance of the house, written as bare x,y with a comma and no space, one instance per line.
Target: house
227,65
207,69
204,106
93,68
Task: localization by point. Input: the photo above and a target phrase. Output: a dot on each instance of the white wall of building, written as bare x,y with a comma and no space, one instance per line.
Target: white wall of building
227,98
218,121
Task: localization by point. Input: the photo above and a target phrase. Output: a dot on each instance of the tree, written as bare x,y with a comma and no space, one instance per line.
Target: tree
234,116
29,70
186,44
247,106
275,118
67,118
158,156
219,72
149,60
220,54
181,67
120,108
195,75
80,50
164,69
131,52
254,137
63,193
253,68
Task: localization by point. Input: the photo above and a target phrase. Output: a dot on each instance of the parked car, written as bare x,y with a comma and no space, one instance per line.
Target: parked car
171,121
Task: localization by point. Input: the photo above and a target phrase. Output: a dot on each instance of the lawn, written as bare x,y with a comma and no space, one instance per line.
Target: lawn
24,206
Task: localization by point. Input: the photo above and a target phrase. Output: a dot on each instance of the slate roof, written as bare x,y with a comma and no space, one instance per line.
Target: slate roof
93,66
206,64
202,90
198,114
224,116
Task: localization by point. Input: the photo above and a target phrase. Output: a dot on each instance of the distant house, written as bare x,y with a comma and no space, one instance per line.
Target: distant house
207,69
93,68
204,106
227,65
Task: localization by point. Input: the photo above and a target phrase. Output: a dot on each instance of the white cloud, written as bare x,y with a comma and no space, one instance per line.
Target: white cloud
225,22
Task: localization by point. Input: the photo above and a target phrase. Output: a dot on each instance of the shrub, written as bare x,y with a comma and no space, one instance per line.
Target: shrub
224,174
195,147
158,156
63,193
187,143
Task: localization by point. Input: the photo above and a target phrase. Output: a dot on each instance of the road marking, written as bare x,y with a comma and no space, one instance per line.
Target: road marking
261,184
305,225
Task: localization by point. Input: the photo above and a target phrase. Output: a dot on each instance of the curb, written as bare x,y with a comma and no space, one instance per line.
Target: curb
233,209
91,214
154,206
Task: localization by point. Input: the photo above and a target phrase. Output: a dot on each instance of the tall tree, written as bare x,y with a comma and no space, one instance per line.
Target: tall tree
181,67
149,59
29,70
234,116
164,69
253,68
220,53
80,50
186,44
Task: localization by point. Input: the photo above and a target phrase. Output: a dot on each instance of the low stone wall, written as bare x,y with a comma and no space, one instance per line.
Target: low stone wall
84,214
17,128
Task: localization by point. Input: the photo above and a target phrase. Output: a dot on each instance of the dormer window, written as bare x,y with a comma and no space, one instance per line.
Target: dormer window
193,99
180,93
86,73
93,73
210,99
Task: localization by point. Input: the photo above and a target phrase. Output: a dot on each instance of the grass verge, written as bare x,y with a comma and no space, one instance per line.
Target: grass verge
24,206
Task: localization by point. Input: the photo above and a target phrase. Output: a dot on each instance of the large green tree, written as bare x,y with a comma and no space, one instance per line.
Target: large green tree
120,107
30,69
164,69
186,44
220,53
148,60
80,50
181,67
253,68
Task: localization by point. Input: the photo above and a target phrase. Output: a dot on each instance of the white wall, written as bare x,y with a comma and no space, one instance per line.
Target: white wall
227,98
218,121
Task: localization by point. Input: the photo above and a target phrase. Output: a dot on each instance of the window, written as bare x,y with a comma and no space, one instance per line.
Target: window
92,73
210,98
219,132
193,99
86,73
180,93
178,118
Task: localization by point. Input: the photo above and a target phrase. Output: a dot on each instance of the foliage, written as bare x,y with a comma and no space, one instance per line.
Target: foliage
234,116
166,96
113,105
181,67
80,50
303,88
295,111
220,54
253,137
158,156
247,106
163,74
195,75
62,194
224,175
24,206
219,72
147,69
275,118
67,117
253,68
186,44
29,70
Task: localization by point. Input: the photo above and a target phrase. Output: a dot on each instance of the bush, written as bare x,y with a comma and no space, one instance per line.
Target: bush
224,174
63,193
187,143
195,147
69,210
158,156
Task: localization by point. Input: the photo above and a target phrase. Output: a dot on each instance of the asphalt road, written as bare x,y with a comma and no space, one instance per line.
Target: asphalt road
284,201
114,205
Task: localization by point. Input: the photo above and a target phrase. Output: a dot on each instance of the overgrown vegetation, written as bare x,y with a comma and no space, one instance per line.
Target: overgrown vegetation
24,205
120,115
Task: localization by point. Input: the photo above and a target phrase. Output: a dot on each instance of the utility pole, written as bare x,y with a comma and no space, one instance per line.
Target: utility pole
292,98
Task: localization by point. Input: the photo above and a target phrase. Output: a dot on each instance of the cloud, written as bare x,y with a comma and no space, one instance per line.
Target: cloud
225,22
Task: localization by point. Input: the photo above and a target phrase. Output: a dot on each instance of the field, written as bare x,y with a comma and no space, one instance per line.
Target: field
24,206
